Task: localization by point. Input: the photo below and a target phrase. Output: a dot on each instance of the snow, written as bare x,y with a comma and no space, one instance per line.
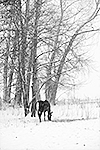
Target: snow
20,133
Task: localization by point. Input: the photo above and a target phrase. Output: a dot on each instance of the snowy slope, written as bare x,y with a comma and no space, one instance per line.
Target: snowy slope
19,133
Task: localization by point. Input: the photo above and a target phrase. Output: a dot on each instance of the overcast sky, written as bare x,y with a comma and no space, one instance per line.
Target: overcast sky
91,88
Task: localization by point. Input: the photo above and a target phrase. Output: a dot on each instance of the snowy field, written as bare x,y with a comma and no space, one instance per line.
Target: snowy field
71,128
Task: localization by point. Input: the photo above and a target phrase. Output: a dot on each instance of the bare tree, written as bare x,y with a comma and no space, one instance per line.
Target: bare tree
78,32
64,39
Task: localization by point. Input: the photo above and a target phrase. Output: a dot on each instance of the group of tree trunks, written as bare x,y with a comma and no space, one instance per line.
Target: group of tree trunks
41,46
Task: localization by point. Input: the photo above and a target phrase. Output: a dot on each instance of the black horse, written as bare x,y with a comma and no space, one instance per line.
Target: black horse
43,107
39,107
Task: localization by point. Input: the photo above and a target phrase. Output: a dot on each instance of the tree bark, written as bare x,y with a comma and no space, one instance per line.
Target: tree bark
35,94
24,30
5,74
13,60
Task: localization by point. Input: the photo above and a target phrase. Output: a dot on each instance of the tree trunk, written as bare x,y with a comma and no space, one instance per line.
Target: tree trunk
24,30
18,90
9,84
35,94
5,74
49,84
10,79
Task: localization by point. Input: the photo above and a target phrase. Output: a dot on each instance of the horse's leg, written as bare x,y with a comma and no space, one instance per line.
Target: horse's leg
44,115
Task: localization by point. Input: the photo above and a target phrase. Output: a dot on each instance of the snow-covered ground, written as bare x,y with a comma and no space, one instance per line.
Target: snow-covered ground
62,133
